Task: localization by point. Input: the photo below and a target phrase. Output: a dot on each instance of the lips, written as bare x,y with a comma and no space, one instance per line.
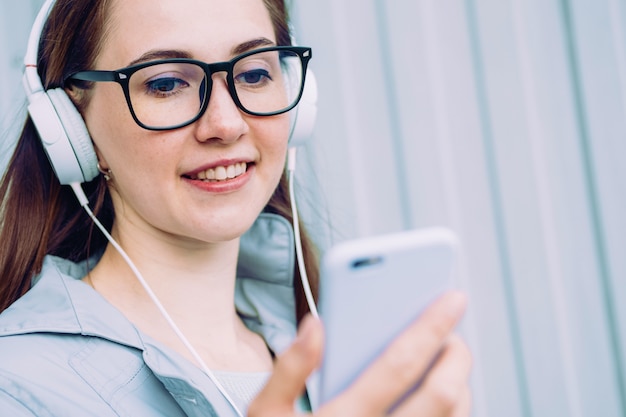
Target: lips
220,173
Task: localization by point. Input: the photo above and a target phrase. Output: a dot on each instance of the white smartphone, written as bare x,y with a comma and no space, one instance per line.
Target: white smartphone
373,288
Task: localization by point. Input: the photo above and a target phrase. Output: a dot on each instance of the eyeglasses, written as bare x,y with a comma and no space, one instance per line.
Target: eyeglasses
172,93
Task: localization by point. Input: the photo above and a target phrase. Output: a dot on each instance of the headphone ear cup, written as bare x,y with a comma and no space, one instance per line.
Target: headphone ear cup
304,115
76,134
60,126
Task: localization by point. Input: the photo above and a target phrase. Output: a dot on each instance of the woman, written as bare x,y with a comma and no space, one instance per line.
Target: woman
180,184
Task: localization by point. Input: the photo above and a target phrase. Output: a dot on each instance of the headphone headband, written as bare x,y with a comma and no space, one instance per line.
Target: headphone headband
32,82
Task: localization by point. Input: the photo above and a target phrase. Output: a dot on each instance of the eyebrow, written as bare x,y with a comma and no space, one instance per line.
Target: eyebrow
159,54
173,53
250,45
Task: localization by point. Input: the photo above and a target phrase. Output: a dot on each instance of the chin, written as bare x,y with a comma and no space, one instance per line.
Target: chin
224,231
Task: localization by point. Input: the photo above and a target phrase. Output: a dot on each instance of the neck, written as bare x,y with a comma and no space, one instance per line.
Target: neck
195,283
178,275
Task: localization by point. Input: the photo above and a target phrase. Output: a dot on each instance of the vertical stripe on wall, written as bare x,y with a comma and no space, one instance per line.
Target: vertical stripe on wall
600,239
505,273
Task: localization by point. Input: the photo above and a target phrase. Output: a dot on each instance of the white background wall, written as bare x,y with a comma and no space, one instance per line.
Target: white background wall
502,119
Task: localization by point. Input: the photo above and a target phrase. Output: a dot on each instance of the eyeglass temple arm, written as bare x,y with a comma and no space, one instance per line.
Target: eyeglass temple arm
97,76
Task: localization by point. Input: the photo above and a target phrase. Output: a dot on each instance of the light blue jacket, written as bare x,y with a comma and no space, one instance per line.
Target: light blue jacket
65,351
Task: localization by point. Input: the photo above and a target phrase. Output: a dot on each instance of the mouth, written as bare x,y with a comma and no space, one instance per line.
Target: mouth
219,173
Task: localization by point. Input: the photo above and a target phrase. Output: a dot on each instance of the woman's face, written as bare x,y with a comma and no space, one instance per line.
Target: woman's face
157,185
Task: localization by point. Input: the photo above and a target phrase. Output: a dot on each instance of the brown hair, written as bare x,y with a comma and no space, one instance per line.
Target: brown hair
38,216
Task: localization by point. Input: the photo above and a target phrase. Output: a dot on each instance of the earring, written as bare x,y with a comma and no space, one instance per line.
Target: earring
106,173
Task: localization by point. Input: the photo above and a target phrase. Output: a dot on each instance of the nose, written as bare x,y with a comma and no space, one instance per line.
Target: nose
222,121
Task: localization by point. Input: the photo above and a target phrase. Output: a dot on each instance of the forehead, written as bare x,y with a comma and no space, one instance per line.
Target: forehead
206,29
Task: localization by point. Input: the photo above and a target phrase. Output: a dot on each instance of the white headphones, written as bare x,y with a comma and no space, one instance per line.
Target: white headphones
304,115
64,134
60,126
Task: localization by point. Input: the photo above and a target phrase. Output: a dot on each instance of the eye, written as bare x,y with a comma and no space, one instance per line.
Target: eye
253,77
165,86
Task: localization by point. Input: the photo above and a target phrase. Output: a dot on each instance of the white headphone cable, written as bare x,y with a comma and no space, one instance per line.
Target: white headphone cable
291,168
84,202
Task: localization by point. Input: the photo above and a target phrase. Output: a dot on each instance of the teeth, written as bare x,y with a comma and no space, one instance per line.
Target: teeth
222,173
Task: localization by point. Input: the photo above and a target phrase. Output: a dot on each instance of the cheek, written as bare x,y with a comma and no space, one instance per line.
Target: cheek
109,122
107,115
275,145
275,134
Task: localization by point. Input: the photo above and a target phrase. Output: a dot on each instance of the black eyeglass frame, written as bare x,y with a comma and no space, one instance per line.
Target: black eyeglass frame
122,77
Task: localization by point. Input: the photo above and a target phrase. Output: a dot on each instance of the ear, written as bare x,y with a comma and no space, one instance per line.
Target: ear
79,96
102,162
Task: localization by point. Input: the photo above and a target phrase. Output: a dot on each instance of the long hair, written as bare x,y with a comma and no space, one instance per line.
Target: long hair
38,216
280,202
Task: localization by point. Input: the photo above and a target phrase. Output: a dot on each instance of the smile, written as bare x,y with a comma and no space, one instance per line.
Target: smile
221,173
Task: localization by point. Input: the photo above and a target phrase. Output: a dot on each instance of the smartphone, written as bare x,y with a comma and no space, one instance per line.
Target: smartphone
373,288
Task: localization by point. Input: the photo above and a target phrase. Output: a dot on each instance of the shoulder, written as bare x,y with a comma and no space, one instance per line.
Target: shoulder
77,375
11,406
38,376
63,348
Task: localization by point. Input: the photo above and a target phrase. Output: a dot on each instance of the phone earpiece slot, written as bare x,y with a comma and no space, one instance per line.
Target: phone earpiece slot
367,262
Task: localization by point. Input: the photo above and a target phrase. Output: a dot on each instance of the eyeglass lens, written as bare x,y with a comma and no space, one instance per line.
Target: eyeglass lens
170,94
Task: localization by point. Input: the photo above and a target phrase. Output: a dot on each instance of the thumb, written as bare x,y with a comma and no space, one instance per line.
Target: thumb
291,370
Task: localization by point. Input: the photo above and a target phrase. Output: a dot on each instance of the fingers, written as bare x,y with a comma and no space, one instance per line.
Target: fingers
291,370
445,391
405,360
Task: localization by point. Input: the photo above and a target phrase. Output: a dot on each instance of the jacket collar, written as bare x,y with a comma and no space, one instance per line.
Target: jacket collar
59,302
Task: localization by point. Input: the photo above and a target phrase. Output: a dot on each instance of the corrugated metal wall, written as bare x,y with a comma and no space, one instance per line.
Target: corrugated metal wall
16,18
503,119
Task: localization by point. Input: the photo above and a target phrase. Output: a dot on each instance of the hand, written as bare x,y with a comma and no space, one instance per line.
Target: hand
444,391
